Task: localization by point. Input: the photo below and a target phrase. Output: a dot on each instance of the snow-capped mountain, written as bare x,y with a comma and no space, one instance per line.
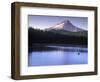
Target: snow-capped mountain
65,25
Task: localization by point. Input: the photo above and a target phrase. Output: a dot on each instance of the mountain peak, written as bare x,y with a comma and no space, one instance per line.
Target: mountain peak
66,21
65,25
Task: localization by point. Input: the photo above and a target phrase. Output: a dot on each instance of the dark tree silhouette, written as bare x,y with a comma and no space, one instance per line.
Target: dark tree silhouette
47,37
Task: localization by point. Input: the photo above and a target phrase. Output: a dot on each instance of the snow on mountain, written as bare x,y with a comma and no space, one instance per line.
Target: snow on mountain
65,25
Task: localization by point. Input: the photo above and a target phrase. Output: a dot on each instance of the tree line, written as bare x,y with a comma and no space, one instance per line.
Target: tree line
41,36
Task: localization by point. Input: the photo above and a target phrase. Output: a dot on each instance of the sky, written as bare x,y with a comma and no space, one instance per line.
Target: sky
43,22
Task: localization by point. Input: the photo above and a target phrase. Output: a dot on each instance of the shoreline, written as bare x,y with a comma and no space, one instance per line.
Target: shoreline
50,47
53,44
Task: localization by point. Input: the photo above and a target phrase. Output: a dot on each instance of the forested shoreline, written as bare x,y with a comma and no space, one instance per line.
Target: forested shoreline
47,37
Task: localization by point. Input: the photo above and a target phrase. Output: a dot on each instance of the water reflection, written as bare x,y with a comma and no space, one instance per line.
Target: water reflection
57,55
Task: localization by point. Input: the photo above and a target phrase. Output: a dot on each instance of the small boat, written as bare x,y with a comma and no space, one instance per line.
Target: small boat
78,53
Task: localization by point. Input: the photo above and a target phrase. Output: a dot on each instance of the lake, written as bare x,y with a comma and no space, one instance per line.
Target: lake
57,55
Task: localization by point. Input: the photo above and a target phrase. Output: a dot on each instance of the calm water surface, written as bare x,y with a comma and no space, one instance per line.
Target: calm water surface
57,55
